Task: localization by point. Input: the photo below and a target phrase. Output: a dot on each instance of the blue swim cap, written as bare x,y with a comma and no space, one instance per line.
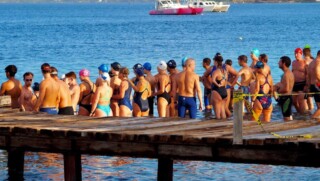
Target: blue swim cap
259,65
255,52
103,68
139,71
147,66
183,61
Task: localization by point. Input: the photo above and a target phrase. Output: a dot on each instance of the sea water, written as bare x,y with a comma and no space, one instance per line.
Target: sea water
75,36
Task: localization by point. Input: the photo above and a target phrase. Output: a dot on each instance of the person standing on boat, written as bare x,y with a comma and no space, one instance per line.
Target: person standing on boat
299,70
142,92
173,72
87,89
124,94
264,85
314,82
65,102
187,84
101,98
115,85
284,87
163,90
49,95
27,98
12,87
71,80
150,78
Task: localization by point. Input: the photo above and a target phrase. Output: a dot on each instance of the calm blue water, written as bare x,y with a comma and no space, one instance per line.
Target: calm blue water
76,36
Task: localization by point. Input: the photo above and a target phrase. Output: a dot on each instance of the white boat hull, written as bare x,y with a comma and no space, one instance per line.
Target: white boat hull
221,8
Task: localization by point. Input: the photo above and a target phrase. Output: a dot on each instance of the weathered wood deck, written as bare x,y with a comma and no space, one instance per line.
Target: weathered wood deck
165,139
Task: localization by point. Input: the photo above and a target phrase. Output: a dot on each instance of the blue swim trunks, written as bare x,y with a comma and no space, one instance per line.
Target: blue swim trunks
49,110
185,103
245,90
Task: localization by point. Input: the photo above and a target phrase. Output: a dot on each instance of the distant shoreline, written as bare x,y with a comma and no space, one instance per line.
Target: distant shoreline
148,1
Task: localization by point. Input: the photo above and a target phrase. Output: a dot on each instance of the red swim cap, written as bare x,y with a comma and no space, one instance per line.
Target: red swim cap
298,50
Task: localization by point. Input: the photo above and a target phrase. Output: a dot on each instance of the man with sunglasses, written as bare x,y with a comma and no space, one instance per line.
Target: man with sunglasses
27,98
12,87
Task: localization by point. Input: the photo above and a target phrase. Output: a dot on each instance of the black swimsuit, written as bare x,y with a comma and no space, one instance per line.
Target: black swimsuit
88,107
222,91
165,94
142,103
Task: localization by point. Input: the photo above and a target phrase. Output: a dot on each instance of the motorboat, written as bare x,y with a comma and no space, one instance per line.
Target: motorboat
167,7
209,5
205,4
220,7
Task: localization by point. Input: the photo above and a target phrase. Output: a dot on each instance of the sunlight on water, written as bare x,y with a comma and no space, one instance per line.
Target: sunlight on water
76,36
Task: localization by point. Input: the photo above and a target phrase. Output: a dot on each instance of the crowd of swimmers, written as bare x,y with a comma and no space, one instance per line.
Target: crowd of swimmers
173,91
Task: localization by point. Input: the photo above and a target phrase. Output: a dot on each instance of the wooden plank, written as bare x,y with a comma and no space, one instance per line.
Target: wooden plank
238,118
178,151
116,148
5,101
38,143
3,142
72,166
165,169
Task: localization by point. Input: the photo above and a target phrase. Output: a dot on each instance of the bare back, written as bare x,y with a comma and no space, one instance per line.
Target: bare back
65,95
186,83
246,76
12,88
287,82
49,90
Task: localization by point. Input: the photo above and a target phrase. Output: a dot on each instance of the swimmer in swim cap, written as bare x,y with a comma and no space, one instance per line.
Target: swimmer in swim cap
255,53
183,62
87,89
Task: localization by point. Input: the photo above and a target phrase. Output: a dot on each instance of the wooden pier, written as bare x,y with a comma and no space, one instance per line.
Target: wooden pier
165,139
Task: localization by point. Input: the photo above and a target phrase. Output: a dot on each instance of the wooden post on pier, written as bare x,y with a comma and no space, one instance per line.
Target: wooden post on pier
15,164
72,166
165,169
237,117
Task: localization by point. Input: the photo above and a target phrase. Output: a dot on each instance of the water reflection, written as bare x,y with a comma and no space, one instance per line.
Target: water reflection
48,166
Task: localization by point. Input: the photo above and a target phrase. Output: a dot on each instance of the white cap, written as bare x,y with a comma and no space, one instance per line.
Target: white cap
162,65
105,76
63,76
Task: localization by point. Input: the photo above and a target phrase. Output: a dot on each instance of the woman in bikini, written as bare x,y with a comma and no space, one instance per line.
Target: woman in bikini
219,91
125,94
163,89
87,89
262,104
142,92
101,98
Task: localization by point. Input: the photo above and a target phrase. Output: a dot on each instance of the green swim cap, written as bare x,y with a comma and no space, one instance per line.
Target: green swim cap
307,46
255,52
